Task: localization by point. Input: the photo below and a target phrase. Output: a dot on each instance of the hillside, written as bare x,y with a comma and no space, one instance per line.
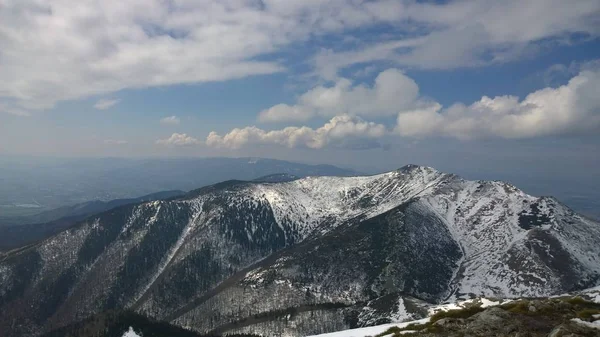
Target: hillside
307,256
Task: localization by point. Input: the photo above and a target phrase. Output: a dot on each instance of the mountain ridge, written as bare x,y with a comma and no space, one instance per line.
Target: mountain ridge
50,222
350,250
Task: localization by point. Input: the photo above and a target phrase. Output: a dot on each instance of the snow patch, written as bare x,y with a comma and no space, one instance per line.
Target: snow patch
370,331
479,302
593,294
593,325
131,333
401,313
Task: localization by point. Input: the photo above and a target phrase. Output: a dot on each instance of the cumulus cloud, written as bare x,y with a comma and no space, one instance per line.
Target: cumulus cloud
104,104
574,107
341,131
571,108
54,50
179,139
392,91
115,142
171,120
558,73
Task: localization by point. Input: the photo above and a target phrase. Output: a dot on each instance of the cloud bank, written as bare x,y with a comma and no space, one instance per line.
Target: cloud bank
341,131
391,91
574,107
567,109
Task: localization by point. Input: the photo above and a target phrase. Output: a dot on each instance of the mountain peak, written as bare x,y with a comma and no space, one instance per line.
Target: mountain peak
415,167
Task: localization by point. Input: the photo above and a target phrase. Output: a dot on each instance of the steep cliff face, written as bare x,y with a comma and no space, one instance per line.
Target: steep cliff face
304,256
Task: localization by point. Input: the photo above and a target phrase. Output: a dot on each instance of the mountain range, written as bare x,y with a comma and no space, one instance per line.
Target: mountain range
293,257
47,223
31,185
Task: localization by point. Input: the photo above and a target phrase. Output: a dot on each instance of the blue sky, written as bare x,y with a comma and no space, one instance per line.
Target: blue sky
483,85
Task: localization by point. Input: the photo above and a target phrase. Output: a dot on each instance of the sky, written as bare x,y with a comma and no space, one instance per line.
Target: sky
506,86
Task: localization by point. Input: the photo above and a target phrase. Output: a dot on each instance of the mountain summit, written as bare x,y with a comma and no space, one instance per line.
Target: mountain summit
304,256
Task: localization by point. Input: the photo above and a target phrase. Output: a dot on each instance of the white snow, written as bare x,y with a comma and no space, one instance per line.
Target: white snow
593,294
481,302
401,312
370,331
593,325
131,333
307,203
483,218
55,258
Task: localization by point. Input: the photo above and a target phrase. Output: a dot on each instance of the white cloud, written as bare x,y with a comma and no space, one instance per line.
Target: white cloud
115,142
341,131
470,33
559,72
56,50
11,110
104,104
179,139
571,108
574,107
391,92
171,120
284,112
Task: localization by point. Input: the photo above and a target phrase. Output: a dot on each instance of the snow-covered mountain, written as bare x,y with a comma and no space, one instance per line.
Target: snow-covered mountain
304,256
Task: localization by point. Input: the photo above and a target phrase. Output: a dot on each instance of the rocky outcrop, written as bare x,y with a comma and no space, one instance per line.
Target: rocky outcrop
557,317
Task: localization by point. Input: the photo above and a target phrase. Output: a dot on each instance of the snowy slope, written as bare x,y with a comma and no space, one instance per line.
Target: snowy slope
515,244
310,202
370,331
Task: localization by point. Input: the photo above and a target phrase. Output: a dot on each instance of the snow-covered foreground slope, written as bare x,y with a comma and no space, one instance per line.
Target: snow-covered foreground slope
379,329
267,258
592,294
371,330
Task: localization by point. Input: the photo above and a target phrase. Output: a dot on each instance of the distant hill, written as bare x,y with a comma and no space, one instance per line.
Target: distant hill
42,225
29,186
84,209
276,178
